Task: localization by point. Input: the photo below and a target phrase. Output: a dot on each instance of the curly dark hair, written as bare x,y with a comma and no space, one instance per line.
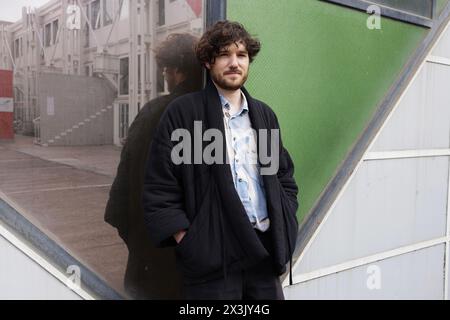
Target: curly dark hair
178,51
222,34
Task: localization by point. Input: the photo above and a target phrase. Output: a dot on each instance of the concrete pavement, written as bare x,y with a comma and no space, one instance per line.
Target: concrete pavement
63,191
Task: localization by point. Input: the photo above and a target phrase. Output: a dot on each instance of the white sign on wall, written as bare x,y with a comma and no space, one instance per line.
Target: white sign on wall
6,105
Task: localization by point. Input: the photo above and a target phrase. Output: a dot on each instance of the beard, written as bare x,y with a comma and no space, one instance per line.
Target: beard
227,84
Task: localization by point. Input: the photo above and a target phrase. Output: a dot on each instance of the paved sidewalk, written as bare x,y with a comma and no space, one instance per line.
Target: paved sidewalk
63,191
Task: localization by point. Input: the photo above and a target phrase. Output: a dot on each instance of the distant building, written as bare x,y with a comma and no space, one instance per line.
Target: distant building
89,38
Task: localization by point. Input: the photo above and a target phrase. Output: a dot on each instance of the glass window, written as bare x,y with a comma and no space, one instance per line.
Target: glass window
48,35
161,13
123,82
86,29
86,35
88,12
124,11
139,73
123,121
95,14
16,49
75,66
55,31
107,12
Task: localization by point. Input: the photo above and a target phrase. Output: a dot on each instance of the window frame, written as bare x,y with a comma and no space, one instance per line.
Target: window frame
96,17
86,31
389,12
48,34
124,6
124,78
55,29
124,120
161,13
17,50
107,17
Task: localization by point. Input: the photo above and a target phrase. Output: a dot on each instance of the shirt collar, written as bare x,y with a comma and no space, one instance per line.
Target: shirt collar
226,103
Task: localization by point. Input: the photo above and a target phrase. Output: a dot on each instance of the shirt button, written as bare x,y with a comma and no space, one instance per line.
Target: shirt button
240,180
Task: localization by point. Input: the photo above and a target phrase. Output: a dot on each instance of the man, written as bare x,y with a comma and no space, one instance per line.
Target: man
148,267
233,227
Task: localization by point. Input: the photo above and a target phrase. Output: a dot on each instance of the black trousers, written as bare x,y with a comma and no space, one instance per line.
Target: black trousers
256,283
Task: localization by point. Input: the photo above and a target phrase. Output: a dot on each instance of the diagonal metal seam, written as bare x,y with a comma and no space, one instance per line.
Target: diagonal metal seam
54,252
349,164
388,12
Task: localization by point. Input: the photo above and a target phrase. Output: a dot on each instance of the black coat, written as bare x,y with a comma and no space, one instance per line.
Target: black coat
202,198
147,266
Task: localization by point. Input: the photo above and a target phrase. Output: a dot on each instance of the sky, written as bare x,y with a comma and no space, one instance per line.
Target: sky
12,10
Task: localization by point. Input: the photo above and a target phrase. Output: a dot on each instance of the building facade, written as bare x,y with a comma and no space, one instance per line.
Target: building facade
84,38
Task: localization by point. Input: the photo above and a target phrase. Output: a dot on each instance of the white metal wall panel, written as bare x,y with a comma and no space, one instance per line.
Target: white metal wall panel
388,204
448,278
393,212
415,275
422,119
22,278
442,48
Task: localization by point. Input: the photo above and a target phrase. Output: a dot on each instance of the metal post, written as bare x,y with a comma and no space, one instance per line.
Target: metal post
215,10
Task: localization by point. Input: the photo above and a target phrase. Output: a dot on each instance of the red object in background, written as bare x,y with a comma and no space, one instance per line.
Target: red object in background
196,6
6,125
6,84
6,110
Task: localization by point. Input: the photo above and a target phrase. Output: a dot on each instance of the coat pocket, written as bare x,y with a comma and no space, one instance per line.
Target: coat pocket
200,252
193,249
184,248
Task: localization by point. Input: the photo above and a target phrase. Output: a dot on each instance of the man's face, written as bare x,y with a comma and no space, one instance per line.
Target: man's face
230,69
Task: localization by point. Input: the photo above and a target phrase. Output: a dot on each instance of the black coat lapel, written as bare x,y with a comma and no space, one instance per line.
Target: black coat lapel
271,185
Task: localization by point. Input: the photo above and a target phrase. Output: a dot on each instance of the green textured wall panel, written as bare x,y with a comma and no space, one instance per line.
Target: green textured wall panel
323,72
440,4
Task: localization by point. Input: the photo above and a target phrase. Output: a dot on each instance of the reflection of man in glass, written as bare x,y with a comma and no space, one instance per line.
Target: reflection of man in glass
149,268
232,223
